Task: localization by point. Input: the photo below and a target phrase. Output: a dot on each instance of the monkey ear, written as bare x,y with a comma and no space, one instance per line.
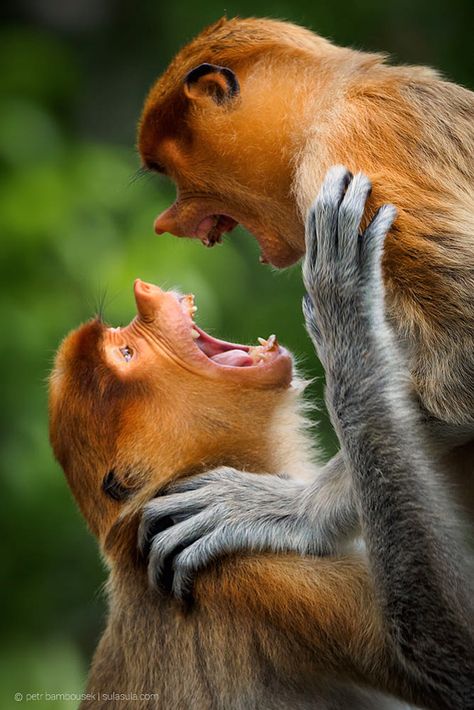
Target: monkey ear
211,81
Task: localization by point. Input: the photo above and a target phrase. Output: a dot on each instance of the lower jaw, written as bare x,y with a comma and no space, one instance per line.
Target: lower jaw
277,252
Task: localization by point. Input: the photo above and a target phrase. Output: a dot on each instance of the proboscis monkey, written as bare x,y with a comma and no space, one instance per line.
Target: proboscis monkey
246,121
133,409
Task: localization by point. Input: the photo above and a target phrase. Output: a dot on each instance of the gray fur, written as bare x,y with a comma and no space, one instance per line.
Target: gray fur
278,514
382,474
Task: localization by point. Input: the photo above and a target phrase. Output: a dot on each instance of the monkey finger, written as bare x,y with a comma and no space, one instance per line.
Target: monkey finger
327,206
311,240
194,558
350,216
160,513
373,239
169,543
223,474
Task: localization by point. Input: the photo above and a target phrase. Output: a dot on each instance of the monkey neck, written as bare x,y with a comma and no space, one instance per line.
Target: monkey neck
265,437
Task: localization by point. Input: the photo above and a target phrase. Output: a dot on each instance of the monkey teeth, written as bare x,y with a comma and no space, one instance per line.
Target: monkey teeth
260,353
211,229
225,353
269,343
187,302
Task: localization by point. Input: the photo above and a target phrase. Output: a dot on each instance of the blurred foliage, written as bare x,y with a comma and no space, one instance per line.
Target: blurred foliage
76,229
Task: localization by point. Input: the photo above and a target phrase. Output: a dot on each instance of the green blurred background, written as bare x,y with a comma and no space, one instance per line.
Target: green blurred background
76,229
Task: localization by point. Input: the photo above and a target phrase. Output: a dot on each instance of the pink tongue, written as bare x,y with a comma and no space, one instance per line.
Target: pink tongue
236,358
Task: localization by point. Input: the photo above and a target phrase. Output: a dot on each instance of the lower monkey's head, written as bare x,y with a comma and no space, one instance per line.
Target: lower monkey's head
133,408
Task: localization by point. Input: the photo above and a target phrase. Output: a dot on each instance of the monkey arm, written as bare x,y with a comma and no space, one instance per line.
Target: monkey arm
413,550
226,511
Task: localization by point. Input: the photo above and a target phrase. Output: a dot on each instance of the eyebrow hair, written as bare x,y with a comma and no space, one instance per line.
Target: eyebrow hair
147,170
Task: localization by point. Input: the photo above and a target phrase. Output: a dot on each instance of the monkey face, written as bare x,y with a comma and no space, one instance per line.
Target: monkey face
164,334
216,190
133,408
228,138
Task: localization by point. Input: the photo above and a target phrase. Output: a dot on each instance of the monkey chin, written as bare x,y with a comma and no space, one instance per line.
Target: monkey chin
276,251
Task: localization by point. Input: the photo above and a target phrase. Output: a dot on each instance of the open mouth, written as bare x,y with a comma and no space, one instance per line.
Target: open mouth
225,353
211,228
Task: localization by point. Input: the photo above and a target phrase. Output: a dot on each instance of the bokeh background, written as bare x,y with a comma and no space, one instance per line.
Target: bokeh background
76,229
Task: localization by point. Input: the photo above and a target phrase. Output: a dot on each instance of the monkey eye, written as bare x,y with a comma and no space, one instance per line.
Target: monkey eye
155,167
127,353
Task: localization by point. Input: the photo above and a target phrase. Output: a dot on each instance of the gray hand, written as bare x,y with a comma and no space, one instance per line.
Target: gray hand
342,269
222,512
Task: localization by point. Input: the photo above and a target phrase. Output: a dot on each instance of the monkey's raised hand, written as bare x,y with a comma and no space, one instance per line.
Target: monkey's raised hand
227,511
342,270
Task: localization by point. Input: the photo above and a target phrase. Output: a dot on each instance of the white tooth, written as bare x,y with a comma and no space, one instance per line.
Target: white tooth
262,341
271,341
195,334
193,309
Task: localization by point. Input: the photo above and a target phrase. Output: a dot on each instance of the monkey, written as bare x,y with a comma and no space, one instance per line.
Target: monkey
133,409
246,121
251,114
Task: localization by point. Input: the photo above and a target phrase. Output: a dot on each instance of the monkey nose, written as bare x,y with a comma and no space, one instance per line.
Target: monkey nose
167,222
147,298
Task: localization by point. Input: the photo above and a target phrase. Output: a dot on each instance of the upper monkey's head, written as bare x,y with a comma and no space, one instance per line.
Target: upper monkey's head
227,122
132,408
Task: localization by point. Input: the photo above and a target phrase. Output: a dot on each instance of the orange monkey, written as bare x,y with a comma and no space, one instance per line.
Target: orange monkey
135,409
